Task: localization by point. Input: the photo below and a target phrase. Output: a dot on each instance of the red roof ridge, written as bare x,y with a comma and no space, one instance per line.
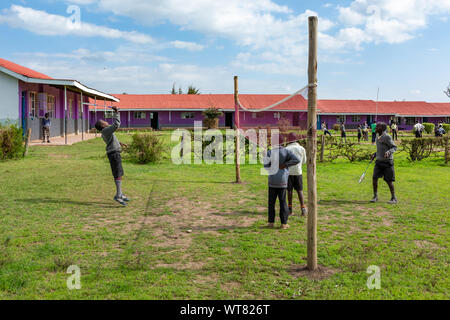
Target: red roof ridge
24,71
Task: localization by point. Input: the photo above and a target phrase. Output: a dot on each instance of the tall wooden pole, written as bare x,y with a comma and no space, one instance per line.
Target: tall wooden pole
65,114
236,128
82,117
312,146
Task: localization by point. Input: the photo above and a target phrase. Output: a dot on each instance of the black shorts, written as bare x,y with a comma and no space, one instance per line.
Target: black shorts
385,170
115,160
343,134
295,182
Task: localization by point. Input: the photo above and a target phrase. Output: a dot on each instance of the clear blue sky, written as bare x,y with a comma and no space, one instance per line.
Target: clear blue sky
144,46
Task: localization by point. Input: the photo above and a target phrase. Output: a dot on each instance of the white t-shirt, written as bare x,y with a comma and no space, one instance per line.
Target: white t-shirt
300,152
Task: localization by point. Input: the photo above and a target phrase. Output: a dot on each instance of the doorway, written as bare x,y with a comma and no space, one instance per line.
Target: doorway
154,120
229,119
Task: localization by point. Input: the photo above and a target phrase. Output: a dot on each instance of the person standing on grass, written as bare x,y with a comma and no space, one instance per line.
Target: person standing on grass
365,131
325,130
359,133
295,180
46,124
374,133
282,159
440,131
113,150
394,130
343,133
384,164
418,128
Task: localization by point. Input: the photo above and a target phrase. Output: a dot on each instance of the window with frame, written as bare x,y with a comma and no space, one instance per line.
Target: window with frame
276,115
447,120
51,106
356,118
109,114
33,105
410,121
340,119
139,115
187,115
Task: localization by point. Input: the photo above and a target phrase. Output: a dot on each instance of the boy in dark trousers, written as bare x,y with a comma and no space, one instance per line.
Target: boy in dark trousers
113,150
277,162
384,164
46,124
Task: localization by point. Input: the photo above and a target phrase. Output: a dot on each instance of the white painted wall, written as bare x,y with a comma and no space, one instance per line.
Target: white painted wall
9,97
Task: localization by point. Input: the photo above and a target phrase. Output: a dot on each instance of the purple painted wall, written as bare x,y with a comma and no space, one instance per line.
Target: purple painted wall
59,99
175,119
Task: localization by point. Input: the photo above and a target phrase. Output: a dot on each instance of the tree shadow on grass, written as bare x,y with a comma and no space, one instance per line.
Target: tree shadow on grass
67,201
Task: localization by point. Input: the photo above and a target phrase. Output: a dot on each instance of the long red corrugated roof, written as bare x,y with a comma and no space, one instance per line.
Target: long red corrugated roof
204,101
258,101
22,70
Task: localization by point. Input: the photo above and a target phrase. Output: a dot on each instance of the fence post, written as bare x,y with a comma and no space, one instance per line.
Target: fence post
27,142
446,149
323,148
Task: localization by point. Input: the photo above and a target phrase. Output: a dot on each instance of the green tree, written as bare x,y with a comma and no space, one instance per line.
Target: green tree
193,90
180,91
173,89
447,91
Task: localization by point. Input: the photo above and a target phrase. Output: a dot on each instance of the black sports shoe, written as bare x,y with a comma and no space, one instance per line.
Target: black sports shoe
374,199
124,198
120,200
393,201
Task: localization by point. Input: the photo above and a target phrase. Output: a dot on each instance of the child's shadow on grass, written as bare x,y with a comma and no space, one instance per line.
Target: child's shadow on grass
338,202
67,201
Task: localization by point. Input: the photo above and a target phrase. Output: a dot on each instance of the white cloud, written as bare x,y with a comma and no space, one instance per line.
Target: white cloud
43,23
190,46
386,20
272,34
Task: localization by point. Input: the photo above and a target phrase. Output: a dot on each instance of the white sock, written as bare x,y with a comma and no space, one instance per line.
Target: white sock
119,188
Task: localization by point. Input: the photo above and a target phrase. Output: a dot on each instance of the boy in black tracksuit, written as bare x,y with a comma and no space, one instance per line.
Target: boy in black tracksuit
384,164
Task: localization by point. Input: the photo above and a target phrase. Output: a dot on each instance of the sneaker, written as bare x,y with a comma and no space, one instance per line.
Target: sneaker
284,226
124,198
375,199
393,201
304,211
48,141
119,200
270,225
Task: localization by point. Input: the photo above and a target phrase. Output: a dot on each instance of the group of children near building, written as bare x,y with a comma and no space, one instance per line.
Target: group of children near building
289,157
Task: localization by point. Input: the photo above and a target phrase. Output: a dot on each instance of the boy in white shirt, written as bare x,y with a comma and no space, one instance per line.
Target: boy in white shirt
295,180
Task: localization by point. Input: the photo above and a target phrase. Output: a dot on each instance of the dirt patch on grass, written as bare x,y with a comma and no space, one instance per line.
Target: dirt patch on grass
301,271
58,156
424,244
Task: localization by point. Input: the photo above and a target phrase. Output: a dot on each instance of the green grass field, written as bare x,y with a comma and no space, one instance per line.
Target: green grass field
190,233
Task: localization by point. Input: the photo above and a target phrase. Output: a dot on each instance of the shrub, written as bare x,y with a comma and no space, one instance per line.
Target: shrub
11,142
336,127
145,148
429,127
353,152
446,127
418,149
211,115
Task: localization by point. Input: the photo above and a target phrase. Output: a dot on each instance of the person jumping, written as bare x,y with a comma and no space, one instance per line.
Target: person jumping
113,150
384,164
